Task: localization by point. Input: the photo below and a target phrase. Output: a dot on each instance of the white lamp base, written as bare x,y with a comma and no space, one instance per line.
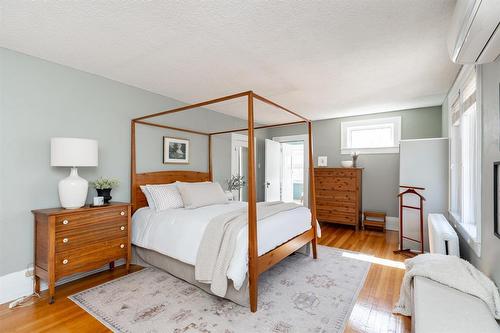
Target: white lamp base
73,190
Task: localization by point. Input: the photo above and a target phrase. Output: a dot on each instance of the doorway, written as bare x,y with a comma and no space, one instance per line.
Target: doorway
239,163
287,169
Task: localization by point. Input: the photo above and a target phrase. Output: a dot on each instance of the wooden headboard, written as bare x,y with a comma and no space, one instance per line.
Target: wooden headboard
161,177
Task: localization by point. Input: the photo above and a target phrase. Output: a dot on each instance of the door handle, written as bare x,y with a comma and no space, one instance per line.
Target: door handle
268,184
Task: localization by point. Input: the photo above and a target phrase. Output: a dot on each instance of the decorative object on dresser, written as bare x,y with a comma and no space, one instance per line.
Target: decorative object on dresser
374,219
79,240
346,164
175,150
73,152
355,156
338,195
104,186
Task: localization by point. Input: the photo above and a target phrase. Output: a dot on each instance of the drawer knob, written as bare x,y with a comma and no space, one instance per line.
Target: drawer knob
122,246
65,240
122,213
65,222
65,261
122,228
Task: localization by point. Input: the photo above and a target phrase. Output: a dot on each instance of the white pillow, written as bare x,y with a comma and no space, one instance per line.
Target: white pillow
196,195
149,199
165,196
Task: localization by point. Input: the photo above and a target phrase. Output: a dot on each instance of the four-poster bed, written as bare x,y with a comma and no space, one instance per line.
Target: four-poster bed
257,264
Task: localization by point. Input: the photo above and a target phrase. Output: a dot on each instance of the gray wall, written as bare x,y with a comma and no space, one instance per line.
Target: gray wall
444,119
381,171
490,244
40,100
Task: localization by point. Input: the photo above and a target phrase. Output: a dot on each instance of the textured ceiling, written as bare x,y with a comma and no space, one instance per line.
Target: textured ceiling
321,58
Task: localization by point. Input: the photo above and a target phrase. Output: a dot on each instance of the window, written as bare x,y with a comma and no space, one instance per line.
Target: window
465,158
371,136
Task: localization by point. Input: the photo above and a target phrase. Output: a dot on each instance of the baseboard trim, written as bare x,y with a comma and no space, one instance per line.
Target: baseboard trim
17,284
392,223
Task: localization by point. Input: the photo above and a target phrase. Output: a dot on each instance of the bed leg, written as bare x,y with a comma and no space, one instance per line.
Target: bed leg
314,244
253,284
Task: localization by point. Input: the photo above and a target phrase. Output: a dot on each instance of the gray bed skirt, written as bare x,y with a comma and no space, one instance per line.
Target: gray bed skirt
146,258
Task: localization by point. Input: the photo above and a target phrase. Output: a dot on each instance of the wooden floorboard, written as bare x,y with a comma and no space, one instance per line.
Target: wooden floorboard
373,309
371,313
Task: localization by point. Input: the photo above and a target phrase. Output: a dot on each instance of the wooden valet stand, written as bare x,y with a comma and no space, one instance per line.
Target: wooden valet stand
420,208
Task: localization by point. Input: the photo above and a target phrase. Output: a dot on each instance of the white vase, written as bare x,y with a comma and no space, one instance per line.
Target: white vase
229,195
73,190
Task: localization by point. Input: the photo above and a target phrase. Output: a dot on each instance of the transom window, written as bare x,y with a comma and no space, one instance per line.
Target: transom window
371,136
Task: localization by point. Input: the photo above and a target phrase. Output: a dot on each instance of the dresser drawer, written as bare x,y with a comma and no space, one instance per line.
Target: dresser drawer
335,196
335,173
336,207
338,218
73,238
336,184
90,218
90,257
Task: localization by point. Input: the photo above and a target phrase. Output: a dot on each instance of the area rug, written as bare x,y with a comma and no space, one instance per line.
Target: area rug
297,295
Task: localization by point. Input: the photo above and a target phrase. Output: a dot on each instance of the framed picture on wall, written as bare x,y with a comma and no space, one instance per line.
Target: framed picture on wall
175,150
496,197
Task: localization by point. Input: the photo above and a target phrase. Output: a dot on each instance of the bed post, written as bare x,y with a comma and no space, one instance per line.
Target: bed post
312,192
133,168
253,274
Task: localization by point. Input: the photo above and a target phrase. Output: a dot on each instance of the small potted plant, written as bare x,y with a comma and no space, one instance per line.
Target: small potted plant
355,155
104,186
235,183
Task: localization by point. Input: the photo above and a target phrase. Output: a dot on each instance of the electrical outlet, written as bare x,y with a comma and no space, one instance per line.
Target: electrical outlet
29,273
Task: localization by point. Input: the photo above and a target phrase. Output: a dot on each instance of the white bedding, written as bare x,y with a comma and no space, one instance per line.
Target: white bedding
177,233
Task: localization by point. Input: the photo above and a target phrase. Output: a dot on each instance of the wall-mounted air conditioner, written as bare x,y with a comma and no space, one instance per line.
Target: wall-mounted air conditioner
475,32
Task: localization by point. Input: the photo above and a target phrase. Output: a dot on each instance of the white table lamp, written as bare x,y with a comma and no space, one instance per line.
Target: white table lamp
73,152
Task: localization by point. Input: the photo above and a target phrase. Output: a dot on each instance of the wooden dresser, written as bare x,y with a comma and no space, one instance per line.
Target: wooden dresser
69,241
338,195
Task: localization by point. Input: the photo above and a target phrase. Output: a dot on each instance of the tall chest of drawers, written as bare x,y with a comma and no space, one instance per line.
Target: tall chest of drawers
69,241
338,195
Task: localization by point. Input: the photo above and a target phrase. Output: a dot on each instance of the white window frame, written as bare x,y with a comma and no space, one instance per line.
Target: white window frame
346,126
470,233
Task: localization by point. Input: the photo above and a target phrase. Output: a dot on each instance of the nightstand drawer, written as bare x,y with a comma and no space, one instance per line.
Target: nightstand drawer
90,257
90,218
98,233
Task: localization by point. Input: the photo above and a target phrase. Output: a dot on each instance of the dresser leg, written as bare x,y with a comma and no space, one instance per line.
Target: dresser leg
52,291
127,266
112,265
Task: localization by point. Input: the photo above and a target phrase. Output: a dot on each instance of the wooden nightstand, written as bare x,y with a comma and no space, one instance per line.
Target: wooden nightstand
69,241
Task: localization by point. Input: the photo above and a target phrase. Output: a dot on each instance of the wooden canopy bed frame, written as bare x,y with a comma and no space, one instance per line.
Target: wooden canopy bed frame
256,264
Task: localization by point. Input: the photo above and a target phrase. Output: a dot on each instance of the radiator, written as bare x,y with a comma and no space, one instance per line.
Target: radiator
442,237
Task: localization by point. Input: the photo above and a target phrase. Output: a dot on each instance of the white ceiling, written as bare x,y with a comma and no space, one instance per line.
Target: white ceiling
322,59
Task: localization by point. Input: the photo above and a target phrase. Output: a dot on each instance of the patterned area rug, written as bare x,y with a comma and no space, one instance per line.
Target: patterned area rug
297,295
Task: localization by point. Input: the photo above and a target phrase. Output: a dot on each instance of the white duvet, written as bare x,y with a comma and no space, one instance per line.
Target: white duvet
177,233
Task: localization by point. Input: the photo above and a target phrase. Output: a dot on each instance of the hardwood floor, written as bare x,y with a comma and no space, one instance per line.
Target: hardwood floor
372,312
373,309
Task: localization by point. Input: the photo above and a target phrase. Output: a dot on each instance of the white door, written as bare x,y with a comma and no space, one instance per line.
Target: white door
286,173
272,170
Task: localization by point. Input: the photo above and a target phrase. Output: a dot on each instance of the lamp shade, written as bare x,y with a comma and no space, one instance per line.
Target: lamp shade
73,152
